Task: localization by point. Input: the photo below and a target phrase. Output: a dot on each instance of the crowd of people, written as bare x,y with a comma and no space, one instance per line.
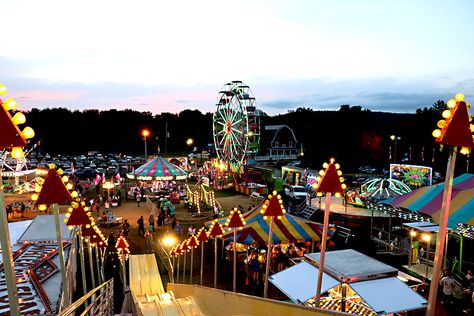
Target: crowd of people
19,207
280,259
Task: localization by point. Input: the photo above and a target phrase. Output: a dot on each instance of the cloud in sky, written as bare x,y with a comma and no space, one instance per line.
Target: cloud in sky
168,56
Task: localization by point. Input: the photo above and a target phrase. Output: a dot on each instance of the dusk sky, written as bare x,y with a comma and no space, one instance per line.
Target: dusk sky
166,56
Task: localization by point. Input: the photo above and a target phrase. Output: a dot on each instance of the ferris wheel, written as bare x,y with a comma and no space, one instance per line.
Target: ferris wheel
236,124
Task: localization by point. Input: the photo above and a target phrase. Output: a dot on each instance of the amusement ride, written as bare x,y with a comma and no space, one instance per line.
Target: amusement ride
236,125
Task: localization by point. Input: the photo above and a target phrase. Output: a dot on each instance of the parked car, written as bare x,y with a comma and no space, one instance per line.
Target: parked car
296,192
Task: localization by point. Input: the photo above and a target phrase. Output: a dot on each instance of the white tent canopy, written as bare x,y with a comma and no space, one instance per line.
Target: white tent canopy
299,282
388,295
43,229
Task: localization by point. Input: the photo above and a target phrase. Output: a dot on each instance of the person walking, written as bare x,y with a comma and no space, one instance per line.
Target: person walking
125,228
448,284
149,243
141,226
151,223
138,198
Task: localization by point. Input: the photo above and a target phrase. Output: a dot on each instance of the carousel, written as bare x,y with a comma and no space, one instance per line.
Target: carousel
159,179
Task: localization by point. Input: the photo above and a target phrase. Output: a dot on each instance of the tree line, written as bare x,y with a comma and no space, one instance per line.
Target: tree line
355,136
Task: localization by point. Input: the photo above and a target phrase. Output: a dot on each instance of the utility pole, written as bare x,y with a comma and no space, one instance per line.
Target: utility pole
166,138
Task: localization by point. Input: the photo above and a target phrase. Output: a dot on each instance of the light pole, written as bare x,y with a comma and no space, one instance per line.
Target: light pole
145,134
395,138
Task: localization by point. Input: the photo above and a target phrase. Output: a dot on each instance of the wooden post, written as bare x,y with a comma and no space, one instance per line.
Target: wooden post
215,262
202,261
323,248
441,236
269,250
8,267
234,281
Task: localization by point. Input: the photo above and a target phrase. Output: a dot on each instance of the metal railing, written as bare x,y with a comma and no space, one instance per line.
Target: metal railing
102,305
151,206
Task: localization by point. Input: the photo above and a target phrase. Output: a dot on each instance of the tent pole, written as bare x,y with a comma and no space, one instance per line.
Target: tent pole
191,266
202,260
269,250
177,269
234,281
440,239
8,266
215,262
323,248
59,240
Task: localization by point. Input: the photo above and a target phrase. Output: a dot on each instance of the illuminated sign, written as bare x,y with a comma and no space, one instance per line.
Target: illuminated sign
414,176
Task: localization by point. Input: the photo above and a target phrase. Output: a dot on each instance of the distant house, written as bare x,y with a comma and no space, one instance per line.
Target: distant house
279,143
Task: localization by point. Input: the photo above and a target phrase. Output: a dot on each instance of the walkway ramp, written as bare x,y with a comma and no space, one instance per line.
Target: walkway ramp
148,292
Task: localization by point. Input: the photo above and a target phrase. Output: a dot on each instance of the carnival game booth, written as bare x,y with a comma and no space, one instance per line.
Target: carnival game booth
353,283
158,176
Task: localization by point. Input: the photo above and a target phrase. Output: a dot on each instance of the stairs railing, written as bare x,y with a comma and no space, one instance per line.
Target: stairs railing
102,305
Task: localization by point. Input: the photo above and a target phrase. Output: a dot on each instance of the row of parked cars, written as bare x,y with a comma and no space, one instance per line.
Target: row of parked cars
87,166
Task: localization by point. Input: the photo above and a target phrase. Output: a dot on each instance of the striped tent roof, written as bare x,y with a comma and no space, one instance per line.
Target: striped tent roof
429,199
158,169
287,229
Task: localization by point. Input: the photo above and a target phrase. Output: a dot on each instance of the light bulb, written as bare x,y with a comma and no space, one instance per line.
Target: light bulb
17,152
451,103
446,114
459,97
9,104
436,133
441,123
3,90
28,132
18,118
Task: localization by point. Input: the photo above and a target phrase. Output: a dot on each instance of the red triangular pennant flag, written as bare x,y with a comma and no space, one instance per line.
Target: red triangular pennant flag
78,217
216,229
184,247
96,237
274,207
121,243
457,131
330,182
202,235
235,219
177,250
10,135
193,242
53,191
87,231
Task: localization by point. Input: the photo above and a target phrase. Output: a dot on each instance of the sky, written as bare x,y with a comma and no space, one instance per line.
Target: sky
167,56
